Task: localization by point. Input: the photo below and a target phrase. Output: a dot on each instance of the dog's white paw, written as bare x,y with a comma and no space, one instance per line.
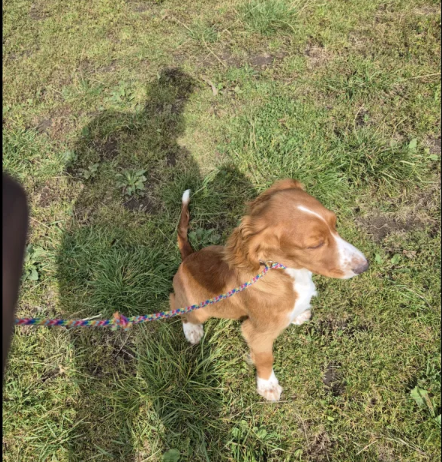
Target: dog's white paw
302,318
193,332
269,389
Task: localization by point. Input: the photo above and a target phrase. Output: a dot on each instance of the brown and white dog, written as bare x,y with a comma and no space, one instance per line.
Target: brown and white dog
285,225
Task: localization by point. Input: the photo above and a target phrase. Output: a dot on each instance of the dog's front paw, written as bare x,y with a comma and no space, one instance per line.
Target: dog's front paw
302,318
269,389
193,332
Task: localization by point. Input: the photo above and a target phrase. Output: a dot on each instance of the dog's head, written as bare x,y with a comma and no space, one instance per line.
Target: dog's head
287,225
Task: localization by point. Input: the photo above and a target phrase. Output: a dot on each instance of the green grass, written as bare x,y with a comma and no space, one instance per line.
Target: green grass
113,109
266,17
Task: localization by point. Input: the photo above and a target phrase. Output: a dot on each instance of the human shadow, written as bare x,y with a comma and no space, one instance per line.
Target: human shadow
119,253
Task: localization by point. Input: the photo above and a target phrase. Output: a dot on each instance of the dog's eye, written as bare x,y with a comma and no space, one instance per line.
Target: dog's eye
316,246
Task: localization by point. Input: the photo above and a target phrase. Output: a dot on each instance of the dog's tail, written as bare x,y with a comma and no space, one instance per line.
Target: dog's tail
183,242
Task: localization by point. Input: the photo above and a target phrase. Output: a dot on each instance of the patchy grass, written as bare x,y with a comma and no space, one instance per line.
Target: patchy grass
113,109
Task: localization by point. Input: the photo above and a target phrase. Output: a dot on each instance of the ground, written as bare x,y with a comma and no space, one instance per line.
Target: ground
111,110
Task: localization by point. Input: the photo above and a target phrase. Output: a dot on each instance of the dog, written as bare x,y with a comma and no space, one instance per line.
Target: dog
286,225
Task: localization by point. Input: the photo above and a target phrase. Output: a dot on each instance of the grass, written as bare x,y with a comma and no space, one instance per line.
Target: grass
266,17
113,109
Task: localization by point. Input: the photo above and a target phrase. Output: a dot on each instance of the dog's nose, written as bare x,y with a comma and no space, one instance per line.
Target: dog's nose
359,269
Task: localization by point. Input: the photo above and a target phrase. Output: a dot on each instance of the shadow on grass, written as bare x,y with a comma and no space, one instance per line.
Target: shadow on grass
144,391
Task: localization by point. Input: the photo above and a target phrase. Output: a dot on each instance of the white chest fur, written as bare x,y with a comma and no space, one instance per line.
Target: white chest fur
305,289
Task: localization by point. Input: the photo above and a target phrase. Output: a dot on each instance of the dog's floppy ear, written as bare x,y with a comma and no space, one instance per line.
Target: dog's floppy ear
247,245
278,186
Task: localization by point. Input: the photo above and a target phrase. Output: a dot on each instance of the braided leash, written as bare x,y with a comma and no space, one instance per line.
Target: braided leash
119,321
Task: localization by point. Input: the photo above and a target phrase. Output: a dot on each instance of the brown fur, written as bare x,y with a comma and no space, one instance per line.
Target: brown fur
273,229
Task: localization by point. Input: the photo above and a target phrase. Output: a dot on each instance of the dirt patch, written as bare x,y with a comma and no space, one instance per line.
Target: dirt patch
427,11
361,118
435,146
319,449
36,14
96,371
137,7
381,225
209,60
84,214
359,41
107,150
263,60
171,159
416,211
316,56
174,156
49,375
123,352
230,59
44,125
109,68
62,123
332,380
46,197
20,55
385,454
144,204
50,192
329,328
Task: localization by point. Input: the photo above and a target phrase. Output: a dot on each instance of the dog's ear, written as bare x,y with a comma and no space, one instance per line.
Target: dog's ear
278,186
237,247
248,245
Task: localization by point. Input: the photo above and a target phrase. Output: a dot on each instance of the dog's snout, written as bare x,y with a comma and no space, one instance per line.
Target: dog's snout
361,268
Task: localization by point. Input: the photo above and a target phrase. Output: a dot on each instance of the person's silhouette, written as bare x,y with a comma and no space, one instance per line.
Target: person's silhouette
113,255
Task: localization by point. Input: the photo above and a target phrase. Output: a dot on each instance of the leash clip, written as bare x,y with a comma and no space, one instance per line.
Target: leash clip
267,263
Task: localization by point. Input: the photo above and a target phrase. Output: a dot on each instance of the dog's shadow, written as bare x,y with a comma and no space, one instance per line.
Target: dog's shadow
145,388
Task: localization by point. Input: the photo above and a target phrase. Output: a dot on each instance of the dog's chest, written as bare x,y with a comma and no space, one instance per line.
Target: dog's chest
304,288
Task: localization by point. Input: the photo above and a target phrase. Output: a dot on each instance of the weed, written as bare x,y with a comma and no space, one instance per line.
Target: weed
173,455
132,182
32,263
90,172
203,237
252,444
69,157
427,390
124,93
423,399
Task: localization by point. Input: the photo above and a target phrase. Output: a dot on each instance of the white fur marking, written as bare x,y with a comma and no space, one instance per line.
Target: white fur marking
347,254
186,196
305,209
302,318
193,332
305,289
269,389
